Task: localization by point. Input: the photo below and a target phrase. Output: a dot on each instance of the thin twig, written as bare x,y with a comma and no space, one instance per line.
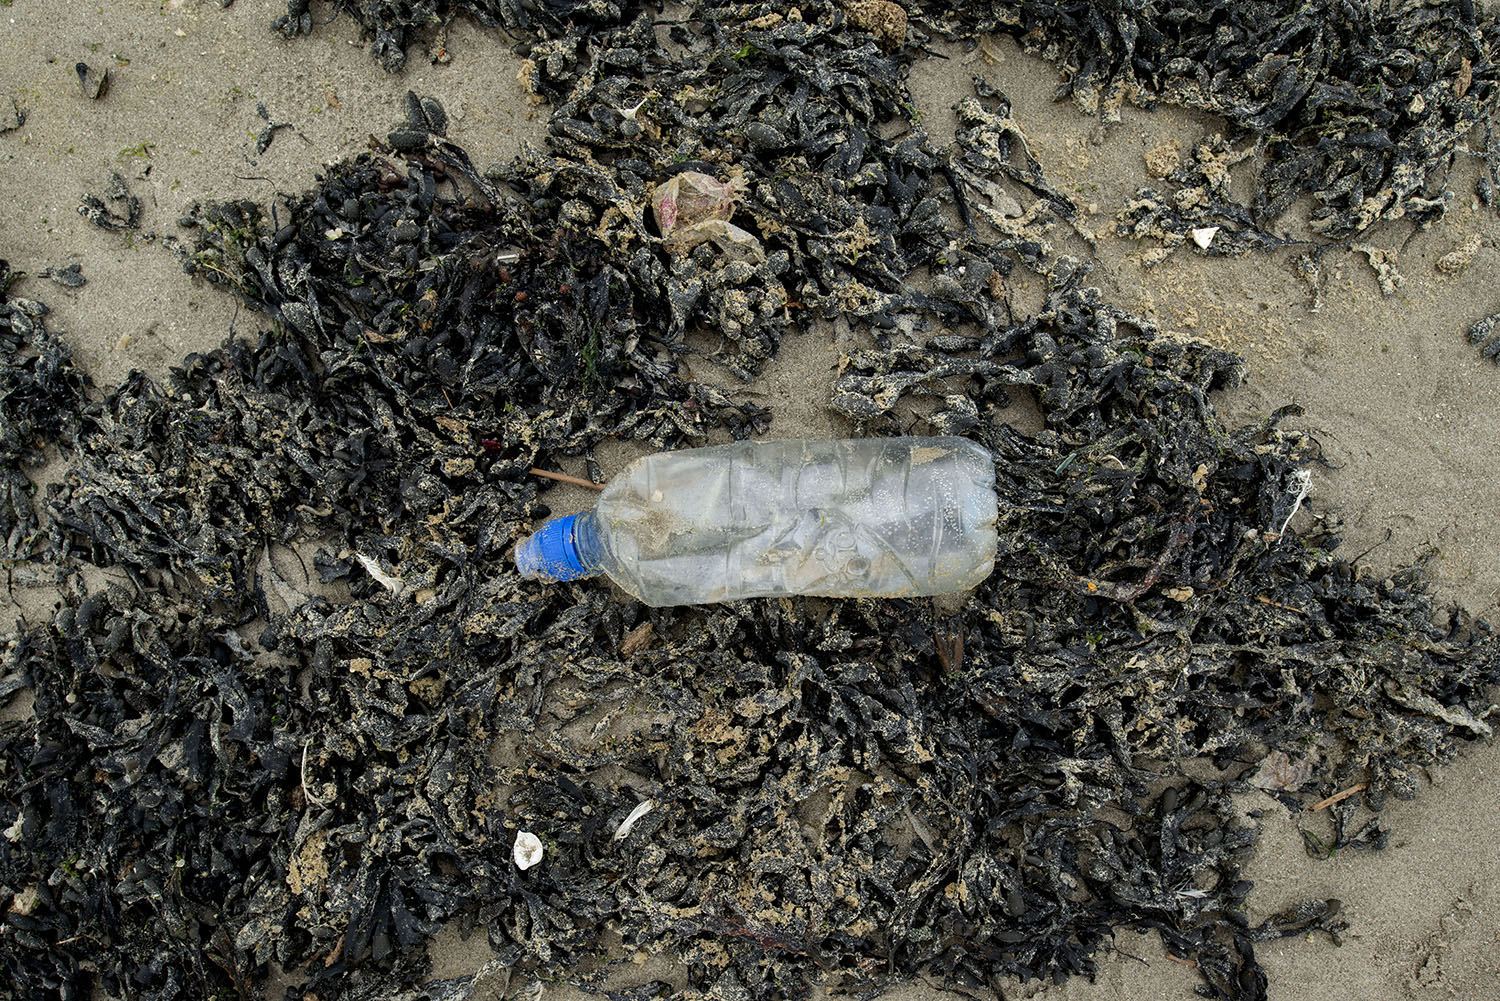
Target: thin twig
75,938
565,478
1276,604
1184,962
1337,797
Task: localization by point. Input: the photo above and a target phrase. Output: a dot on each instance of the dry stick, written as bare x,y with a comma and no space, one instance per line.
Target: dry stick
75,938
1342,794
565,478
1276,604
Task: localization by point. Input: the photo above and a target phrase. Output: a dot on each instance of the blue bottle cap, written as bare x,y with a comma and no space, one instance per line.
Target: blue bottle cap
551,553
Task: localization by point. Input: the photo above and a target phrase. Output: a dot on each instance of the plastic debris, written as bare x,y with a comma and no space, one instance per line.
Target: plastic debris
863,517
693,208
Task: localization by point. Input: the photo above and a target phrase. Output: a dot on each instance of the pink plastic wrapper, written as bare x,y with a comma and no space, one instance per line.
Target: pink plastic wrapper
693,208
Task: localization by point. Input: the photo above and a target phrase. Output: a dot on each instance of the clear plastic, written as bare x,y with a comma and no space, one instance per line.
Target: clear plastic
876,517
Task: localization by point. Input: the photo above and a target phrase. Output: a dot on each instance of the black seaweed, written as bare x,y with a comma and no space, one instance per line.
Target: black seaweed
1359,104
393,27
41,394
264,139
116,208
68,277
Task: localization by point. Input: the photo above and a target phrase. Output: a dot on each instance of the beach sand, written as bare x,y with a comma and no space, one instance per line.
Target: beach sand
1406,410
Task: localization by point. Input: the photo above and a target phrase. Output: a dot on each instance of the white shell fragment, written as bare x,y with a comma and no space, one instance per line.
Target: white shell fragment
1203,236
644,807
392,584
528,850
629,113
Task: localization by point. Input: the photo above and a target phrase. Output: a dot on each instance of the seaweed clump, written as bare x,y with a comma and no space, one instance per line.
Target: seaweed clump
394,27
305,720
41,393
1363,106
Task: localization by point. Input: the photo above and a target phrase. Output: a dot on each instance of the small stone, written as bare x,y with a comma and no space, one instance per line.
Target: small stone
95,83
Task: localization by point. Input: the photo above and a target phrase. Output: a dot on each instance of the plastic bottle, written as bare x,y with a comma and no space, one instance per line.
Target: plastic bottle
869,517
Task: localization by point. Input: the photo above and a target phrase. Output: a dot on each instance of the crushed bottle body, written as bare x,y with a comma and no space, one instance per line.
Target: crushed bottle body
877,517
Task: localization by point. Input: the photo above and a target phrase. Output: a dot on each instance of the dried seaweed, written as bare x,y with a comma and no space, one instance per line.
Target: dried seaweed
234,764
394,27
41,393
68,277
1361,105
830,804
1201,208
1383,262
116,208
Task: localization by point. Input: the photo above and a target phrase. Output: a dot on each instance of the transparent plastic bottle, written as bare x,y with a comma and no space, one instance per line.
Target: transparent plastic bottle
868,517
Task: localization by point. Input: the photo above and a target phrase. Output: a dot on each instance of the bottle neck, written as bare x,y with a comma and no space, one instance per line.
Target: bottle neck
587,543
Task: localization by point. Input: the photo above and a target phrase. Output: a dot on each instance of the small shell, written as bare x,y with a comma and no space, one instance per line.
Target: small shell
528,850
644,807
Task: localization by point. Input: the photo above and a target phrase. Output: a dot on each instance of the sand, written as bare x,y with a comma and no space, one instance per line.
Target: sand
1406,410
